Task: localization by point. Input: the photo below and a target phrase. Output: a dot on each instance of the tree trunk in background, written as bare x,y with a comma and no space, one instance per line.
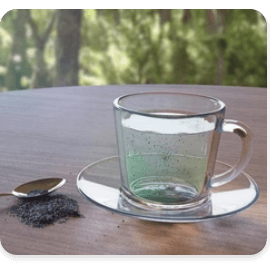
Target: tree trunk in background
40,77
222,16
220,68
165,15
217,22
116,16
212,21
17,62
67,47
187,16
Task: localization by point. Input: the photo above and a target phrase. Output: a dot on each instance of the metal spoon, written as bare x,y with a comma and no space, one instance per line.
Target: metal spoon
39,188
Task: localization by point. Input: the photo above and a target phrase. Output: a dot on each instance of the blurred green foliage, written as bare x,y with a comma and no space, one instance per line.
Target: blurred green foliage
142,46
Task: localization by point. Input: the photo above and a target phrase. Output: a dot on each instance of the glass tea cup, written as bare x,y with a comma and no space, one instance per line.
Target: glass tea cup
168,144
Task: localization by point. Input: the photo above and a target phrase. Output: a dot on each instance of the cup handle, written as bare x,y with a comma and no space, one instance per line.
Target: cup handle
246,136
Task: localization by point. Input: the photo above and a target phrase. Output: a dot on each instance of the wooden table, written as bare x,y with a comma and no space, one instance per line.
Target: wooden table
58,131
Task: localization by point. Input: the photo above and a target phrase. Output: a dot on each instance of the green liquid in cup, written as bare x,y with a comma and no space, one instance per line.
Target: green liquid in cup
166,159
166,178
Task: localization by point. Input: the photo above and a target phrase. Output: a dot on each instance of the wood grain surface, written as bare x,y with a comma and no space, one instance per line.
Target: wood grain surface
58,131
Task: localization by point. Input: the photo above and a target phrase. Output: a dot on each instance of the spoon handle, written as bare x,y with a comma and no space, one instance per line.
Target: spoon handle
4,194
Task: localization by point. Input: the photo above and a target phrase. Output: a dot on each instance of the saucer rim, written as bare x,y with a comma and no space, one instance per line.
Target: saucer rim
167,219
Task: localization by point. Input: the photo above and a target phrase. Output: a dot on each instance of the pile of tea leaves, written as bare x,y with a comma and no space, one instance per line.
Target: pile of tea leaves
45,210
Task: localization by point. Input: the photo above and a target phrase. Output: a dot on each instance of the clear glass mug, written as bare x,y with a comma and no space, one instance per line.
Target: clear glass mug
168,143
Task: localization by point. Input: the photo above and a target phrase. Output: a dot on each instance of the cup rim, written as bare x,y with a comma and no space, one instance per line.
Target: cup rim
117,105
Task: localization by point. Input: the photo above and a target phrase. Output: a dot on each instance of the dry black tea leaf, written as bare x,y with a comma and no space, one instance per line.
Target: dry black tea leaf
42,211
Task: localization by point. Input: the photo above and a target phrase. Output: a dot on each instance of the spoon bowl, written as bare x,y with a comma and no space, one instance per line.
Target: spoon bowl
37,188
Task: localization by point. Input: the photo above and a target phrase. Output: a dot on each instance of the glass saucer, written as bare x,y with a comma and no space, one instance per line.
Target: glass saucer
100,183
